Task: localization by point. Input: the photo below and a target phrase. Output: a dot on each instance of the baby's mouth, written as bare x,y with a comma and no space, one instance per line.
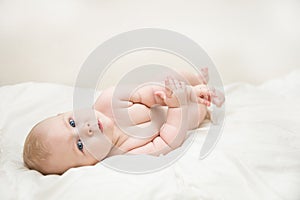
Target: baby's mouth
100,125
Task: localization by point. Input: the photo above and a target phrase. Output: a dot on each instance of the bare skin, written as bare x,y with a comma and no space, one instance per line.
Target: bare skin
174,102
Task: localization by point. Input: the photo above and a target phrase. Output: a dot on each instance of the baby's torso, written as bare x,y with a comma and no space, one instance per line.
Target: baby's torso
142,124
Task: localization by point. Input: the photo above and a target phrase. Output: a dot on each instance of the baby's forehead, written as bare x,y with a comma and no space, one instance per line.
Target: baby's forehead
54,125
48,125
50,121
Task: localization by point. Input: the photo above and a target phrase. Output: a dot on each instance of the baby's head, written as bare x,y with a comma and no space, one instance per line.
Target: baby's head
53,145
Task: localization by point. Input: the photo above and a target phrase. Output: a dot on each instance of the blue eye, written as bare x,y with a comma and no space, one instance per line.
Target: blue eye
80,145
72,123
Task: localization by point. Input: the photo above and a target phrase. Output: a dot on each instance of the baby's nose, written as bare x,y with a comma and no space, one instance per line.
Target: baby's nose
88,129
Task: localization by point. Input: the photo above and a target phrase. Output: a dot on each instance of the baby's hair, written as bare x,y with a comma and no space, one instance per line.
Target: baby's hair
35,151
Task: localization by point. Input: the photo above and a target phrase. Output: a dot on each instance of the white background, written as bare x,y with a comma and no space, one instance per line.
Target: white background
47,41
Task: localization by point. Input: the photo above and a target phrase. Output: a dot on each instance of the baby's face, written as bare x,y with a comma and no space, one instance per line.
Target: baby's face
66,149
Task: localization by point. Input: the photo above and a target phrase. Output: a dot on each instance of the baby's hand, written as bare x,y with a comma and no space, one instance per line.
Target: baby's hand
205,95
201,94
175,94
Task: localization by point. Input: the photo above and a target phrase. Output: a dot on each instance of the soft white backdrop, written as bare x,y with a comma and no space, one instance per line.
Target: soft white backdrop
249,41
48,41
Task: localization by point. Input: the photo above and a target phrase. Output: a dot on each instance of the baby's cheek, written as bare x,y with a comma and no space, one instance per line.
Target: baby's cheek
97,148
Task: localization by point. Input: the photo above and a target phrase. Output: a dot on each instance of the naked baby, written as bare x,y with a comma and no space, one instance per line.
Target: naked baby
59,143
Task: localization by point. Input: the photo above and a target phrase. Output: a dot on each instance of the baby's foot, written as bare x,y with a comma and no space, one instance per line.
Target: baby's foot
217,97
203,76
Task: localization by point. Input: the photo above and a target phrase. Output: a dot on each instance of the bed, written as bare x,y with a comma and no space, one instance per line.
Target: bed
257,156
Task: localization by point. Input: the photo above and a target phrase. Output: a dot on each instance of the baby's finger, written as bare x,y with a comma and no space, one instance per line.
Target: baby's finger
208,96
203,101
205,93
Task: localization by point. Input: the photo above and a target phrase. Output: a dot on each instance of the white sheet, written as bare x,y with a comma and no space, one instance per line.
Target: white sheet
257,157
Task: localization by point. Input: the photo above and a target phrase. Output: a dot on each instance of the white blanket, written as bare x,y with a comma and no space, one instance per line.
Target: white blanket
257,157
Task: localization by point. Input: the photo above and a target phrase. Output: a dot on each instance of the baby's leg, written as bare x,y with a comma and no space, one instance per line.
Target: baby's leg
205,95
218,97
195,79
196,116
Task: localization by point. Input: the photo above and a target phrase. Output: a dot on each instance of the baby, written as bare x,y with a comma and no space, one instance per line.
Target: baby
57,144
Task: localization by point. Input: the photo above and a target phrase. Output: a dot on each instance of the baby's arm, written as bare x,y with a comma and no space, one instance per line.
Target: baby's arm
173,131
